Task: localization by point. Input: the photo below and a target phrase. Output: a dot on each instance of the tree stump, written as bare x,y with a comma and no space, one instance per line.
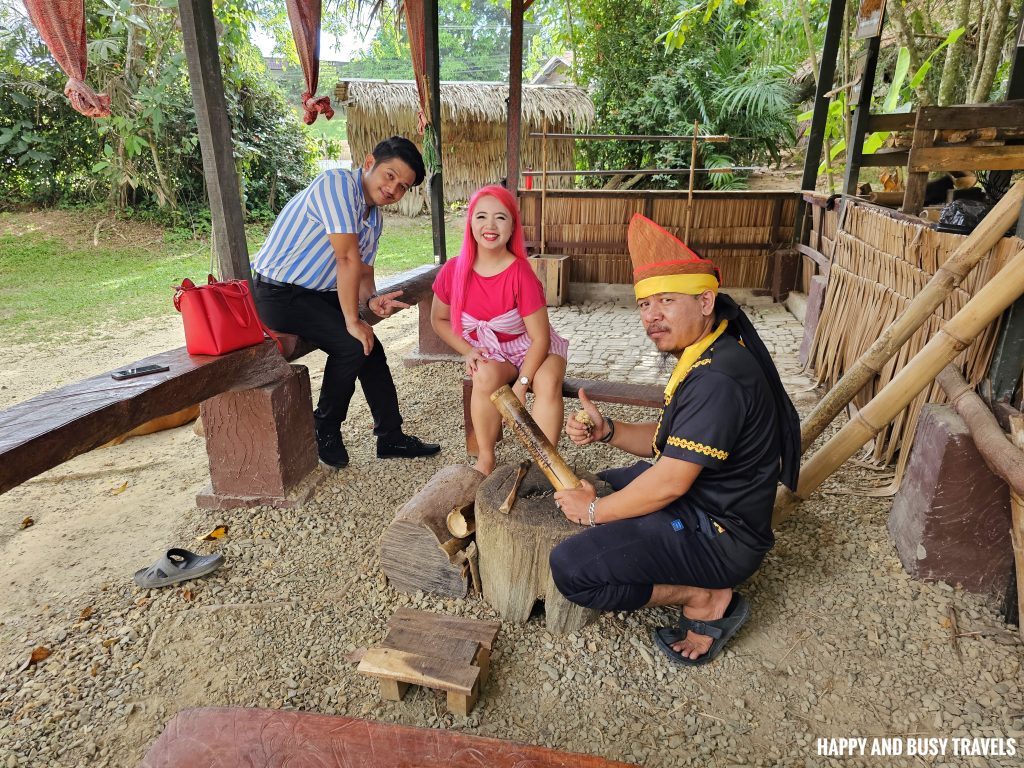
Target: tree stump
417,551
515,547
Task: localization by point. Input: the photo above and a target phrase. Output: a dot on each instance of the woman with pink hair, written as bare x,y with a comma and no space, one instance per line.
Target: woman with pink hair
489,306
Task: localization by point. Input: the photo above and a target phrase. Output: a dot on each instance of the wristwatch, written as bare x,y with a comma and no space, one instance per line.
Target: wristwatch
524,380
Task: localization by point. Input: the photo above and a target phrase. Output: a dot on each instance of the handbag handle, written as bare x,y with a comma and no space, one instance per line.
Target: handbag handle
241,289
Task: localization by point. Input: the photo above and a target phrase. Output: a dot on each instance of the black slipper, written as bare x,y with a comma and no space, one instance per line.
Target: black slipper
721,630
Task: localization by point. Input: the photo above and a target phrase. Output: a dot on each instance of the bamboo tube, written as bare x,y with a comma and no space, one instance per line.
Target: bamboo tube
528,433
946,278
958,333
1017,525
998,452
460,522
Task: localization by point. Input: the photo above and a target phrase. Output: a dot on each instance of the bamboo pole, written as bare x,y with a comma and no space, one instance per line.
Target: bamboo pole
995,448
946,278
543,186
528,433
689,196
958,333
1017,525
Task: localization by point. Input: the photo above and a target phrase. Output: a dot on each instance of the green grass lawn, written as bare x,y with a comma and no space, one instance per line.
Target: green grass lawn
54,281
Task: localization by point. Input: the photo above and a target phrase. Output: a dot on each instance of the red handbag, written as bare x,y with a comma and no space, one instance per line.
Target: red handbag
219,317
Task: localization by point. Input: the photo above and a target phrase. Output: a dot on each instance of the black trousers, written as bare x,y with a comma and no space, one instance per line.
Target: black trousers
316,316
614,567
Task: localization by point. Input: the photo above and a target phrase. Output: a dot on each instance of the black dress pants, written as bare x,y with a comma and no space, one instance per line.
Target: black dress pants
316,316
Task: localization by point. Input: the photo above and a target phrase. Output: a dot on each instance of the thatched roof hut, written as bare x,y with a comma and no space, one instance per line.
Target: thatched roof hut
473,120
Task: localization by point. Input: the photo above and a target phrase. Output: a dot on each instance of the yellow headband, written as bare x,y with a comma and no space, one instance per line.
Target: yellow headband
693,284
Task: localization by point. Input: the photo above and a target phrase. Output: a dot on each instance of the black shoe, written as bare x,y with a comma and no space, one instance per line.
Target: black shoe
330,447
405,447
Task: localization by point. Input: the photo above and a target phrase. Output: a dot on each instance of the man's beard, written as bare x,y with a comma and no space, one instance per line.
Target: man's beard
667,362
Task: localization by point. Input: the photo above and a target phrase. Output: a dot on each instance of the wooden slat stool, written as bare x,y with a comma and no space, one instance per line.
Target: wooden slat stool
448,653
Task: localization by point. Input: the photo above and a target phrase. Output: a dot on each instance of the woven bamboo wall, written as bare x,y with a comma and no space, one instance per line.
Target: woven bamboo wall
880,262
739,231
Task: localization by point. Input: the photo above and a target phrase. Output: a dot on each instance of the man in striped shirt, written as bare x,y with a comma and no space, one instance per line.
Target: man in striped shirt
311,275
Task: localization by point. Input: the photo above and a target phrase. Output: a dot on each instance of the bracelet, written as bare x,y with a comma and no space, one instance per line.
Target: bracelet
611,431
590,513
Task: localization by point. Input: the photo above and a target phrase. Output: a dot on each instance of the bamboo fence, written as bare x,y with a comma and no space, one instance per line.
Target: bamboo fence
739,231
879,263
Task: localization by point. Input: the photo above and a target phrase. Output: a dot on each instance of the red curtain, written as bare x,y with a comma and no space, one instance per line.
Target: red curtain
304,16
414,24
61,24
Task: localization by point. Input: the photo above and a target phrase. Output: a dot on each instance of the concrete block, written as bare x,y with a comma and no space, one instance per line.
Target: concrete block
260,443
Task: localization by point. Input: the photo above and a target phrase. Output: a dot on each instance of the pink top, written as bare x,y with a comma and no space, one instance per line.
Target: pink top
515,287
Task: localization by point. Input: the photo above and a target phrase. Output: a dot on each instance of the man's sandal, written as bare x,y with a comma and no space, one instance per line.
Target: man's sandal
721,630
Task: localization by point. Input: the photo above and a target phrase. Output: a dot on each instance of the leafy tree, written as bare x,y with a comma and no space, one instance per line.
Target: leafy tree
148,152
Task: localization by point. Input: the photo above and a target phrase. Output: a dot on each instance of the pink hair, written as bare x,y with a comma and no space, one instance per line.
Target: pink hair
467,255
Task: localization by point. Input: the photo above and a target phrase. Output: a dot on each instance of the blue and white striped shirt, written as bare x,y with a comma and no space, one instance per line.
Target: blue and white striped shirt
298,249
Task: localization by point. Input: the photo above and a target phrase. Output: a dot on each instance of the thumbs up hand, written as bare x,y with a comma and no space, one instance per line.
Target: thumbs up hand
579,430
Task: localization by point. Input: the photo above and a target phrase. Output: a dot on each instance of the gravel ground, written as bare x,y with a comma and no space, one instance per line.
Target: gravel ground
841,642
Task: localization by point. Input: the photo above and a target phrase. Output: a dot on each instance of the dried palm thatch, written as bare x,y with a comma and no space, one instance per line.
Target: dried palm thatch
880,263
473,122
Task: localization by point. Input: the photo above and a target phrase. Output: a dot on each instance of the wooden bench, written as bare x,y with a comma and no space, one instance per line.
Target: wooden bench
448,653
644,395
262,738
251,394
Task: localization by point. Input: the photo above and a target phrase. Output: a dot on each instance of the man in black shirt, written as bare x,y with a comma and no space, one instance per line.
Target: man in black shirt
688,528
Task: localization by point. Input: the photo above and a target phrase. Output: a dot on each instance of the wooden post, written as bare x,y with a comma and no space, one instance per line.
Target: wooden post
228,222
528,433
543,184
515,98
861,116
433,62
946,278
816,139
955,336
689,196
1017,525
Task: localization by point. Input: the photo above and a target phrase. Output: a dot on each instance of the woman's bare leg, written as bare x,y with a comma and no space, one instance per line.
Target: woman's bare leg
548,406
489,377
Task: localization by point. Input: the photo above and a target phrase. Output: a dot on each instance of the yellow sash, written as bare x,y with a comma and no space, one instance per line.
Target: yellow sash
690,355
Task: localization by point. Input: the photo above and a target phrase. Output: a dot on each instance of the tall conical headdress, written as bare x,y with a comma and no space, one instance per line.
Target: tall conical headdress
663,264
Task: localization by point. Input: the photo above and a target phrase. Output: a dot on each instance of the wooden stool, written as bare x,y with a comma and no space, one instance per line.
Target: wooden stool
514,549
448,653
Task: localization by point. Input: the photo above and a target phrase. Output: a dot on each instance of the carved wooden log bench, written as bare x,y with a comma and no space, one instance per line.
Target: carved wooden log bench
256,412
645,395
263,738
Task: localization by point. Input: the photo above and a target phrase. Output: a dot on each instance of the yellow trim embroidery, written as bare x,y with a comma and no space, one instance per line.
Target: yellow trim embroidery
707,450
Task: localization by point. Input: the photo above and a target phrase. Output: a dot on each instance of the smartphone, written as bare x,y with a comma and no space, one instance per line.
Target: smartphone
142,370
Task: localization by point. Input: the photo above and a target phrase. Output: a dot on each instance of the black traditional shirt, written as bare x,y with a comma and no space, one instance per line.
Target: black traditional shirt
722,416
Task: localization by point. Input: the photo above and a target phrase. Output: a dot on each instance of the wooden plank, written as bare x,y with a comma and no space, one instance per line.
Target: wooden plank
427,671
646,395
658,194
891,121
1007,114
957,158
885,158
341,740
438,644
38,434
816,256
917,182
392,690
482,632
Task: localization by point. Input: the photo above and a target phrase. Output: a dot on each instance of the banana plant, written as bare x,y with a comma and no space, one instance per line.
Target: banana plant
897,100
